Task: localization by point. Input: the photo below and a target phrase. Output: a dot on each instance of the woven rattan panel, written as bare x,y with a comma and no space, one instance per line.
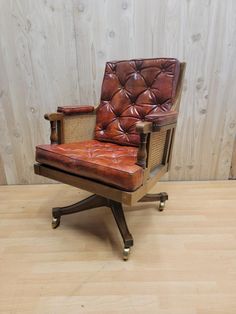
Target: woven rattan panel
79,127
158,140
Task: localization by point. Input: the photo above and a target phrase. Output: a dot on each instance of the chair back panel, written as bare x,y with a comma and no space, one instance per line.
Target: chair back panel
130,91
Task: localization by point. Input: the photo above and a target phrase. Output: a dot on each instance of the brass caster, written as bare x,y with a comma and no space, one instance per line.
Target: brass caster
126,252
161,206
55,222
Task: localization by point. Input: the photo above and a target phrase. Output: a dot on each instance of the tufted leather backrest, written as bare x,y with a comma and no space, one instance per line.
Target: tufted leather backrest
130,91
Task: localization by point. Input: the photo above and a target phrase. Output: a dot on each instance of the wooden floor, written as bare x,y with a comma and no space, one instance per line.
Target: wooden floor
183,261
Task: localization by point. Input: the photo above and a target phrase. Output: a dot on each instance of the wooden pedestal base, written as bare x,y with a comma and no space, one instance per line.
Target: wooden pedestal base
95,201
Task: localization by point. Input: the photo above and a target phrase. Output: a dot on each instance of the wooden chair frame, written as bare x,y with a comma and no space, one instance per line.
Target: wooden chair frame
62,132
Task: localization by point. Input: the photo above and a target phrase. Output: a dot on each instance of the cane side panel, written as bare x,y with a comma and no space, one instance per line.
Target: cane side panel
79,127
157,145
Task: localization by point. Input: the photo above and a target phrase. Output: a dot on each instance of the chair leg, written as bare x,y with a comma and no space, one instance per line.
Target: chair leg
88,203
93,202
162,197
119,216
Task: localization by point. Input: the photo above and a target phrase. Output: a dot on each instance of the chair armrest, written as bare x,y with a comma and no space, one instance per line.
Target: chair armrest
143,128
55,119
71,110
157,121
54,116
160,119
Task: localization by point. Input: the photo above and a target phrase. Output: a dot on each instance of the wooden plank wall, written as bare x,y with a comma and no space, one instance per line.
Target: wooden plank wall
52,52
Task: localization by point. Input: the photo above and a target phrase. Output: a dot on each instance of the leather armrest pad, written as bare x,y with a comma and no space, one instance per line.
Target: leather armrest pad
162,118
69,110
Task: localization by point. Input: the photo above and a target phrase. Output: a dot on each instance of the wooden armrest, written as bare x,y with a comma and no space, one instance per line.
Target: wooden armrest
55,119
143,128
156,128
70,110
55,116
160,119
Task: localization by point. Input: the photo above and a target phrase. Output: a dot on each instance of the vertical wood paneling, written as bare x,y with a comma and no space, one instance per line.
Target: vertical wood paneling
53,52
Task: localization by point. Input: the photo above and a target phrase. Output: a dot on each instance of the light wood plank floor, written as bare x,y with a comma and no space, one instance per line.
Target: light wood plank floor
183,261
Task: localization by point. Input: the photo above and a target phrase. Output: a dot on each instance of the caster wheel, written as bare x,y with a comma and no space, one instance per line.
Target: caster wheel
55,222
126,253
161,206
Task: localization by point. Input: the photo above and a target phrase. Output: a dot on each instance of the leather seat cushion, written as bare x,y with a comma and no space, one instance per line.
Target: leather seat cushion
109,163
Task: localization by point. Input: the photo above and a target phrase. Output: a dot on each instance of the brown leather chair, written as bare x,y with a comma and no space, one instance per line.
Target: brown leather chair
120,149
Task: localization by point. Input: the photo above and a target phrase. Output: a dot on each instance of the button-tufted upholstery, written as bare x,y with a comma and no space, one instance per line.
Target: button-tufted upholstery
132,90
106,162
